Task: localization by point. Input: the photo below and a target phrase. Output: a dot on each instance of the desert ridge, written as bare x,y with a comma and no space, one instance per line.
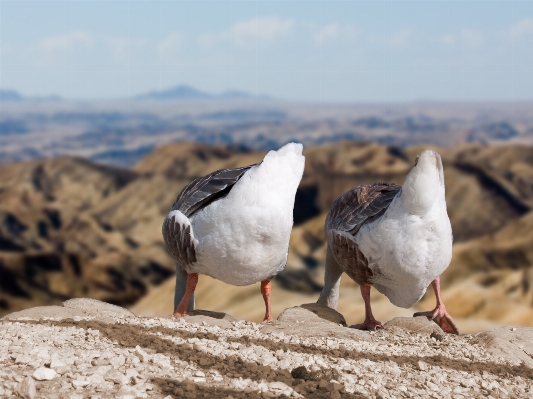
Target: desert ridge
72,228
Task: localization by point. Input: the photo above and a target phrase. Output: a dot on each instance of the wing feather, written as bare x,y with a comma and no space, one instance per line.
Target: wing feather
360,205
204,190
348,214
199,193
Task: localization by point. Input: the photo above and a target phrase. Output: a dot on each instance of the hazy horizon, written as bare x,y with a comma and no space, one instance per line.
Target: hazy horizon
314,51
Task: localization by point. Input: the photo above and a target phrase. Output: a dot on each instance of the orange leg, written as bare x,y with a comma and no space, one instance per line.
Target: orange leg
181,309
370,322
439,315
266,290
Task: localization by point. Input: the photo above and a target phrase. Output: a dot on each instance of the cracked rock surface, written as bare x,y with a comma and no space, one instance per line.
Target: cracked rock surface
84,353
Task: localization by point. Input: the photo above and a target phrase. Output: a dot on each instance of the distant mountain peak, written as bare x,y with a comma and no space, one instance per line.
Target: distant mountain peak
181,92
185,92
10,95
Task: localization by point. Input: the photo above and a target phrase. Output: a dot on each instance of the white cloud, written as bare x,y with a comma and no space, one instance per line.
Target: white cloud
521,29
401,38
449,39
170,45
122,47
65,42
472,38
327,33
259,29
467,37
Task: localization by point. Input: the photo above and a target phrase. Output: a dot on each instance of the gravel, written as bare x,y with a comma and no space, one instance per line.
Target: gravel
129,357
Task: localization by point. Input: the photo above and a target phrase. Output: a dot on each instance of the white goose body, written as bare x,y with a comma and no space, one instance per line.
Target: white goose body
407,250
243,237
396,239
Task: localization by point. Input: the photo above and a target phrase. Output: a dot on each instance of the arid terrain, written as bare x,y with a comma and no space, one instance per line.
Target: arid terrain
73,228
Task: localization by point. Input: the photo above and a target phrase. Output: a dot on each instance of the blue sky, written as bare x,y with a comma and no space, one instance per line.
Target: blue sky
334,51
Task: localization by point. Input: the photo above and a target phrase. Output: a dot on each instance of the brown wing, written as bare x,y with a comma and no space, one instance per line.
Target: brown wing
349,212
204,190
179,240
360,205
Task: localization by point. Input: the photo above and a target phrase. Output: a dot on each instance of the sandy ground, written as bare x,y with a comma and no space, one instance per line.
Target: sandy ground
90,349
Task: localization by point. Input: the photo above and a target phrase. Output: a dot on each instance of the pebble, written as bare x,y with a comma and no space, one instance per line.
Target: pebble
26,389
42,373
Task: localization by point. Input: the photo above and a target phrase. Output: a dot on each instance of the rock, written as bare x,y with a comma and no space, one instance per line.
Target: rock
422,366
42,373
142,355
23,359
206,317
80,383
133,376
96,379
117,377
96,307
306,323
56,362
324,312
117,361
514,344
420,325
49,312
26,389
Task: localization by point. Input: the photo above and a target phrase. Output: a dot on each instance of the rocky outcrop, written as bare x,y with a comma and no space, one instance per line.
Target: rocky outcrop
302,354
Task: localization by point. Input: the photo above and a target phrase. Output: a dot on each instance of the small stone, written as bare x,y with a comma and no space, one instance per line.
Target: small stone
333,386
432,386
117,361
141,354
96,379
104,386
422,366
117,377
133,376
42,373
277,386
26,389
100,362
80,383
23,359
55,362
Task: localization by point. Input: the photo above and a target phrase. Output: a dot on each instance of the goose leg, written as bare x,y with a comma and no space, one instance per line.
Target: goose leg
266,290
370,322
439,315
183,306
181,286
332,282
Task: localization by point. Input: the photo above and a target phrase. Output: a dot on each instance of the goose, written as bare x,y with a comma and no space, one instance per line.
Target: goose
396,239
234,225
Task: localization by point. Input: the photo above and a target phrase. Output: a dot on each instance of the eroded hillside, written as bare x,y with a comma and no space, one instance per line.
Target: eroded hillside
71,228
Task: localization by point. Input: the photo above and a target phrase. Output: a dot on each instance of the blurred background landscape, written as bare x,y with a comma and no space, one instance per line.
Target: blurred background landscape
108,109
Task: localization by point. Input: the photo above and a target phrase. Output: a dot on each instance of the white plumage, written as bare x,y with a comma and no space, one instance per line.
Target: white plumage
396,239
411,244
243,238
234,225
